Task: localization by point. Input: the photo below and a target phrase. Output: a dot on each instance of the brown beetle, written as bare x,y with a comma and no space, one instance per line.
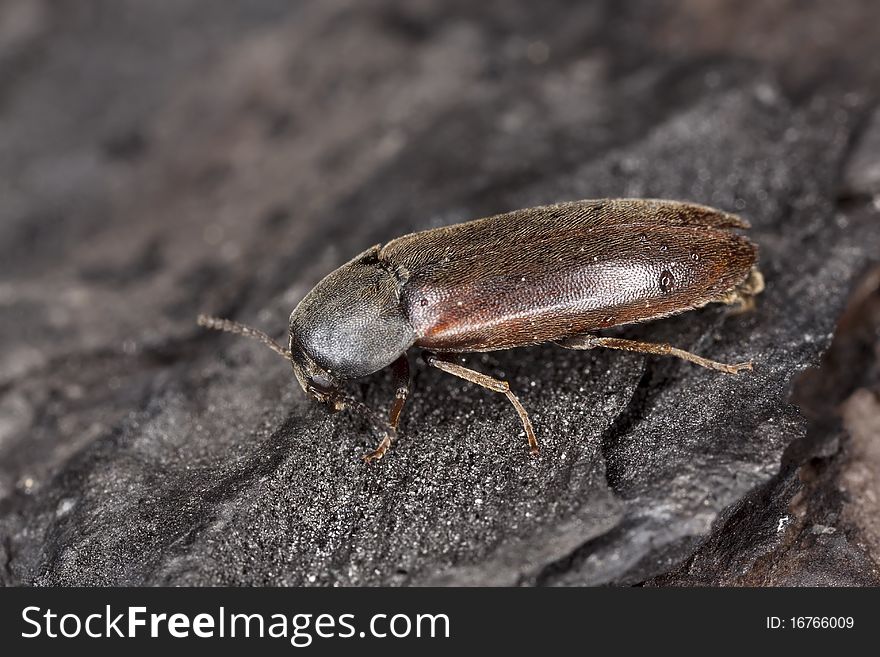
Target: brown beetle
556,273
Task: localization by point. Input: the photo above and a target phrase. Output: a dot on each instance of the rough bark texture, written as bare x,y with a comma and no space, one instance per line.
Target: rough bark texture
162,159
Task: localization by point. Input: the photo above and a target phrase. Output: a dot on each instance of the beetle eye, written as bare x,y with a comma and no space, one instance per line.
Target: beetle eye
321,383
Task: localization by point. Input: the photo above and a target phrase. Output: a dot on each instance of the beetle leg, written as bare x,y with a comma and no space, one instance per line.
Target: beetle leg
489,383
661,349
400,367
743,296
388,432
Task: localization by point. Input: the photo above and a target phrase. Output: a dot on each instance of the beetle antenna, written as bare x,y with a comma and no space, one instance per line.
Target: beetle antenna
229,326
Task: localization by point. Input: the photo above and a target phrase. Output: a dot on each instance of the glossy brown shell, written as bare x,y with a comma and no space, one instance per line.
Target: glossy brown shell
548,273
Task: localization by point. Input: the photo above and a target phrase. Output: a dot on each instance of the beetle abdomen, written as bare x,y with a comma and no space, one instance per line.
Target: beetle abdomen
548,273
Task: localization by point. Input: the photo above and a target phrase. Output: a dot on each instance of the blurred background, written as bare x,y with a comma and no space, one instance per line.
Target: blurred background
161,159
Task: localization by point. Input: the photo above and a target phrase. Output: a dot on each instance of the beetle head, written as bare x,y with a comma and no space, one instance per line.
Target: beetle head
350,325
315,380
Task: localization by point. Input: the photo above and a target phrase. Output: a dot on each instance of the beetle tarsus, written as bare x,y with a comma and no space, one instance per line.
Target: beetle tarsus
380,450
492,384
739,367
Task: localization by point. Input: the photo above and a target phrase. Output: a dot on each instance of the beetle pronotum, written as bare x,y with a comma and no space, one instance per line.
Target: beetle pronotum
556,273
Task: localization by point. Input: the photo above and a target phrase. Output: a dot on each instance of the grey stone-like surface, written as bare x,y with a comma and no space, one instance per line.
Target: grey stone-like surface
164,159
